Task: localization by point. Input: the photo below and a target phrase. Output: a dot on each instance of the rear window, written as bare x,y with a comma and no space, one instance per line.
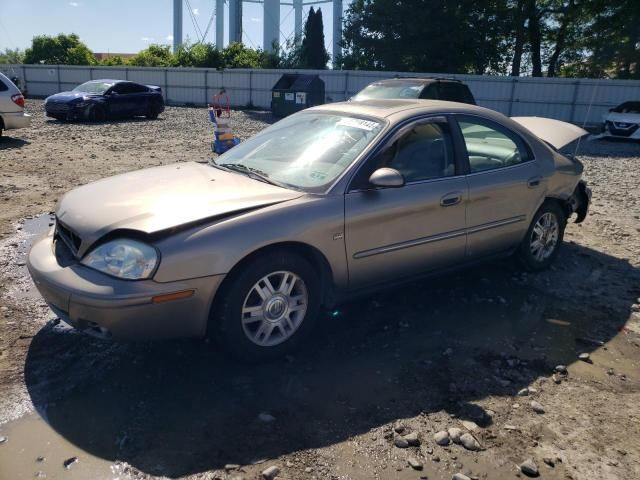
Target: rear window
628,107
390,90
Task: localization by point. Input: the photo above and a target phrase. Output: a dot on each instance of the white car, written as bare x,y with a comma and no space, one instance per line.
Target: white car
623,121
11,106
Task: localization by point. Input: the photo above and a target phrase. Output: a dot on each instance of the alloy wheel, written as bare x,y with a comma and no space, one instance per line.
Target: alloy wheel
544,237
274,308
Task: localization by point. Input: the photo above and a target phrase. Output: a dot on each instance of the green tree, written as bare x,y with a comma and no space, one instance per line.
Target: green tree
12,56
113,61
451,36
59,50
199,55
153,56
312,52
236,55
611,41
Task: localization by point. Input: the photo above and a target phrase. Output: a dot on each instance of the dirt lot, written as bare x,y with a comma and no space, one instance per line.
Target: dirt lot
469,351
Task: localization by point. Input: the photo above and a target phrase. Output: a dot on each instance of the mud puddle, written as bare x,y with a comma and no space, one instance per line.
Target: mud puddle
13,255
34,450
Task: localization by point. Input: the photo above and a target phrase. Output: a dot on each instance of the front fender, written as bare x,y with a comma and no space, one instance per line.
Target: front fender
315,221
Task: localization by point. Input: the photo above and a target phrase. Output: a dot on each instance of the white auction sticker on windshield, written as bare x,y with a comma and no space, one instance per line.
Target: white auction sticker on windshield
357,123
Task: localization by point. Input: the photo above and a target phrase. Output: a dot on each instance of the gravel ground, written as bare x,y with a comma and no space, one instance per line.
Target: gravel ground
469,360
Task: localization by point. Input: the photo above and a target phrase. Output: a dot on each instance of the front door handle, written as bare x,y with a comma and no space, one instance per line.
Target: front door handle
451,199
534,182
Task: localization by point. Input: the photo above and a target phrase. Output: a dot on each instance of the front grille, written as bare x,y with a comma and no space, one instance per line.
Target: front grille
56,108
622,129
71,239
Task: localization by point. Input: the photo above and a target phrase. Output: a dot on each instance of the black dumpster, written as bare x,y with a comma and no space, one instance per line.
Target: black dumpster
295,92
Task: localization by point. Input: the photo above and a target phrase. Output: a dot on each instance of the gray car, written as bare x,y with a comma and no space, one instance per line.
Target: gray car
329,203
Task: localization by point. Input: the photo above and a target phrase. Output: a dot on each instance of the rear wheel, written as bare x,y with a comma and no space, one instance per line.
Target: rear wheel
268,307
544,237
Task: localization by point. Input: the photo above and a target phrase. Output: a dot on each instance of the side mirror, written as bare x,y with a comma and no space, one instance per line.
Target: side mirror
387,178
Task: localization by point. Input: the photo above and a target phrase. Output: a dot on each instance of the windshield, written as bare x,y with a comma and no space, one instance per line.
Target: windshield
306,151
627,107
395,90
94,87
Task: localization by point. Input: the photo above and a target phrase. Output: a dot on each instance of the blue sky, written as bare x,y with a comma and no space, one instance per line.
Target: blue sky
129,26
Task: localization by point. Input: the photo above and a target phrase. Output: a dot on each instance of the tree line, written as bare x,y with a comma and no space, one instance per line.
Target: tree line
570,38
306,52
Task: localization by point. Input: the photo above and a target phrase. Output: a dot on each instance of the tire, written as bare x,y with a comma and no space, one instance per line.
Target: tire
541,244
97,113
283,329
152,112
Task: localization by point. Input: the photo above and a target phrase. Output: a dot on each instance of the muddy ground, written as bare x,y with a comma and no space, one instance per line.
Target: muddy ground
468,351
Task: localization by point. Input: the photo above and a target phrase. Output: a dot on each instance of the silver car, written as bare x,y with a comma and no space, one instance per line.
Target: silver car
11,106
329,203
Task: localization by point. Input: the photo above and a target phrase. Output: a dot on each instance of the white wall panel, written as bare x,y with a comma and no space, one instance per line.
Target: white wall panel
551,97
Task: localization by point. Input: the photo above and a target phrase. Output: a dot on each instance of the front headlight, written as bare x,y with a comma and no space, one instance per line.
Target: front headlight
123,258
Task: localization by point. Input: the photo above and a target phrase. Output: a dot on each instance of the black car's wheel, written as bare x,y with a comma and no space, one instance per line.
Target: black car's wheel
97,113
544,237
267,308
152,112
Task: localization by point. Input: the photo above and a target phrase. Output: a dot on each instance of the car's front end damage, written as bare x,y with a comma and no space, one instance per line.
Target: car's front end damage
108,266
71,105
109,307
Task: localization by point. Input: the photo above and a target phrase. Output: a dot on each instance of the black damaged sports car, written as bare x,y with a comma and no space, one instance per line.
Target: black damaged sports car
99,100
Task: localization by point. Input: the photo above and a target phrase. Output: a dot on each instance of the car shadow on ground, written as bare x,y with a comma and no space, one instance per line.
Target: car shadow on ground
11,143
179,408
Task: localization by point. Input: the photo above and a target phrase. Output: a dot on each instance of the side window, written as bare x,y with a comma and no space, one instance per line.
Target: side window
491,146
3,86
454,92
135,88
430,92
424,153
119,88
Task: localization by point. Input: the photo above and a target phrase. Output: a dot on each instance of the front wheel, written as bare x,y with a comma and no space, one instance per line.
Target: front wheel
268,307
544,237
97,113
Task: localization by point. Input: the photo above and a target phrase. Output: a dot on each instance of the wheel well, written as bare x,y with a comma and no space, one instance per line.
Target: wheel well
317,259
565,205
1,122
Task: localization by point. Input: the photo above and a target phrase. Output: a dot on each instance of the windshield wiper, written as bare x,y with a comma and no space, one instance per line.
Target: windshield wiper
249,171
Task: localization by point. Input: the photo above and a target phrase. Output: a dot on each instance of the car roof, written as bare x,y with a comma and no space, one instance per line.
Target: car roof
414,80
401,108
108,80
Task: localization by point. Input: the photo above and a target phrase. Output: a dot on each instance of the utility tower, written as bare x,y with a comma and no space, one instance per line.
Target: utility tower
271,22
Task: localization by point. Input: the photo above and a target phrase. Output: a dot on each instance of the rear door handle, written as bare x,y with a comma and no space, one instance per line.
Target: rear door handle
534,182
451,199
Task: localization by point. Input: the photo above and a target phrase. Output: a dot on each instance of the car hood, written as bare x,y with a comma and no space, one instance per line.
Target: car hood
555,132
623,117
69,96
160,198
